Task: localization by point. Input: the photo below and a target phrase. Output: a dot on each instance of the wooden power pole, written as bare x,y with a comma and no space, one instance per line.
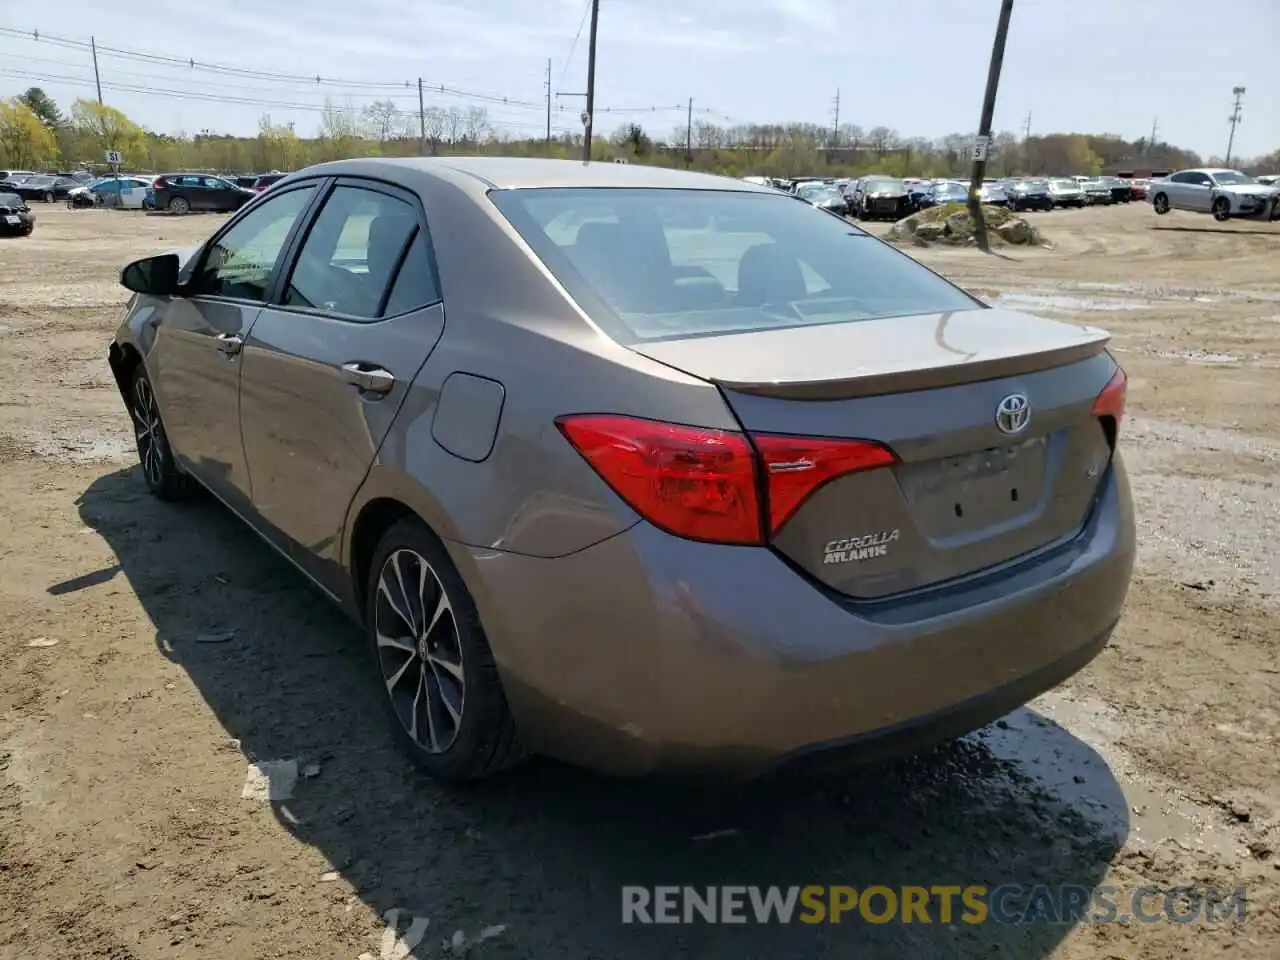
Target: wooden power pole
982,145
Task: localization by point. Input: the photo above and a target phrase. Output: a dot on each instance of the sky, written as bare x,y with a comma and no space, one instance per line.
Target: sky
918,66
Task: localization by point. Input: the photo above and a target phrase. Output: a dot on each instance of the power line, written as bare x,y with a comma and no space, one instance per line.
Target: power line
192,64
574,46
228,99
408,95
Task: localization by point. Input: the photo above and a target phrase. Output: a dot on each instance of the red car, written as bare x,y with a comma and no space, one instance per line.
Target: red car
1138,189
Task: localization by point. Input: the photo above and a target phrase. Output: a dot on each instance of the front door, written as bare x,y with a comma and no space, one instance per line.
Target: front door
195,363
327,366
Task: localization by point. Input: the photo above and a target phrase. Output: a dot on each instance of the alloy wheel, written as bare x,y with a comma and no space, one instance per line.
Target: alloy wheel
419,651
149,431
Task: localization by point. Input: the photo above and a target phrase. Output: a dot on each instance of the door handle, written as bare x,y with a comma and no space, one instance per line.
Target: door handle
368,378
230,343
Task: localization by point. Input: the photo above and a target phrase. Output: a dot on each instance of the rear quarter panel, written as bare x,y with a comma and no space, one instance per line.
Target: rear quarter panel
507,321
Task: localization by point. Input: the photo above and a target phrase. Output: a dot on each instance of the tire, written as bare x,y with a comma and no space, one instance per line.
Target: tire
443,678
164,479
1222,209
179,205
1160,203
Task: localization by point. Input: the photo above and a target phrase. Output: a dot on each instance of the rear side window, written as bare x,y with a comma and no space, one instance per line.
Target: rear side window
353,252
652,264
415,284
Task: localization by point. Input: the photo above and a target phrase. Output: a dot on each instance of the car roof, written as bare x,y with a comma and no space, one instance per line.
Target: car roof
481,174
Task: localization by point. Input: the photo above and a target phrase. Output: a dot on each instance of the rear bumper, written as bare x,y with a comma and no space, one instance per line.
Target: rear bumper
645,653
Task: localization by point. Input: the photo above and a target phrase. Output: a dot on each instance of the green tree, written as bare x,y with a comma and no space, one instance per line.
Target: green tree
106,128
43,106
278,145
24,140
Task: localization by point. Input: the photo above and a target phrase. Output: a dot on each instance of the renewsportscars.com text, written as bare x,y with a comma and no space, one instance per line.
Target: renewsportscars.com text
972,904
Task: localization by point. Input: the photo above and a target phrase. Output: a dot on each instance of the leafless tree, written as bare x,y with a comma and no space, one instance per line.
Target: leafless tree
382,117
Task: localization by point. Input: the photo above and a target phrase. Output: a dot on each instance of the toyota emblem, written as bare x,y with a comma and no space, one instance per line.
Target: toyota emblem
1013,413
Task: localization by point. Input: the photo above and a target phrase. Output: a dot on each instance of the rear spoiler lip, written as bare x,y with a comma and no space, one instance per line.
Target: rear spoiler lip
878,383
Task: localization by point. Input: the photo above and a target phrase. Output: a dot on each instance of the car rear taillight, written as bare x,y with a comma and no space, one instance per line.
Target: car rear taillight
157,183
1110,402
704,484
796,468
693,482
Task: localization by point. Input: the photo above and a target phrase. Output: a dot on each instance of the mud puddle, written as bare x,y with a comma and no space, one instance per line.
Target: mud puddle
1069,747
1058,303
82,447
1199,356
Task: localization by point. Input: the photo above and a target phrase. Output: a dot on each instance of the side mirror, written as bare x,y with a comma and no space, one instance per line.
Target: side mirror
153,276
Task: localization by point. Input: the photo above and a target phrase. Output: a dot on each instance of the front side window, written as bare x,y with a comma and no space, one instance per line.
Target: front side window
753,261
352,252
239,265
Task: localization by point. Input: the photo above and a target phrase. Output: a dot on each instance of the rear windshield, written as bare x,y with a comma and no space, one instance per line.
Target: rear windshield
650,264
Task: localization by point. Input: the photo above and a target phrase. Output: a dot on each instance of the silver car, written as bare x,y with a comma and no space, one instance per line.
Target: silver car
1223,193
639,495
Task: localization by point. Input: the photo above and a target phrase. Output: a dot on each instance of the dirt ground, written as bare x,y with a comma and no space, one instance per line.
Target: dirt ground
125,735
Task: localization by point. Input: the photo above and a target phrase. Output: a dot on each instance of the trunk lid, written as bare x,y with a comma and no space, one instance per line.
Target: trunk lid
973,487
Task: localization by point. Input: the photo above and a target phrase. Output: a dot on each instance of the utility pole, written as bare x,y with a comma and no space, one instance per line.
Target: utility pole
1026,142
835,125
422,122
588,118
93,46
1234,119
1151,143
548,106
982,144
688,136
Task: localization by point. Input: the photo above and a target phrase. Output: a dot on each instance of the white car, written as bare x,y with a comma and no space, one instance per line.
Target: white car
1223,193
129,190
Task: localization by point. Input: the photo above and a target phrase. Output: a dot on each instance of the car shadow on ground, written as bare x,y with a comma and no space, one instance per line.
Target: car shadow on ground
546,849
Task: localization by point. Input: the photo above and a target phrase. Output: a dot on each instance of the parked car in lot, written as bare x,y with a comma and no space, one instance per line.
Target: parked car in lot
16,218
1138,188
8,177
1223,193
266,180
944,191
126,193
826,196
876,197
1121,192
1029,194
1066,193
44,188
630,440
993,193
1098,191
184,192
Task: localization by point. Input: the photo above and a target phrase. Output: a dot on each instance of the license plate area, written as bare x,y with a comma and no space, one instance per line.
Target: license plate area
986,489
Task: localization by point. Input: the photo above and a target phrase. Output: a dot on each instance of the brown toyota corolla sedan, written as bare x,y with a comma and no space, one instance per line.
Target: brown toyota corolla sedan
639,468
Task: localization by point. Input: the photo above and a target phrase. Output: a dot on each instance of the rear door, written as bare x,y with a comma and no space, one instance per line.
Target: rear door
195,362
328,364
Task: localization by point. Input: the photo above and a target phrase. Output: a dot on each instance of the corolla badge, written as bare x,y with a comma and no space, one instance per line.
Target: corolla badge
1013,413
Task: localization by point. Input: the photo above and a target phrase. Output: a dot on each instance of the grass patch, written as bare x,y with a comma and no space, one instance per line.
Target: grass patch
992,214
